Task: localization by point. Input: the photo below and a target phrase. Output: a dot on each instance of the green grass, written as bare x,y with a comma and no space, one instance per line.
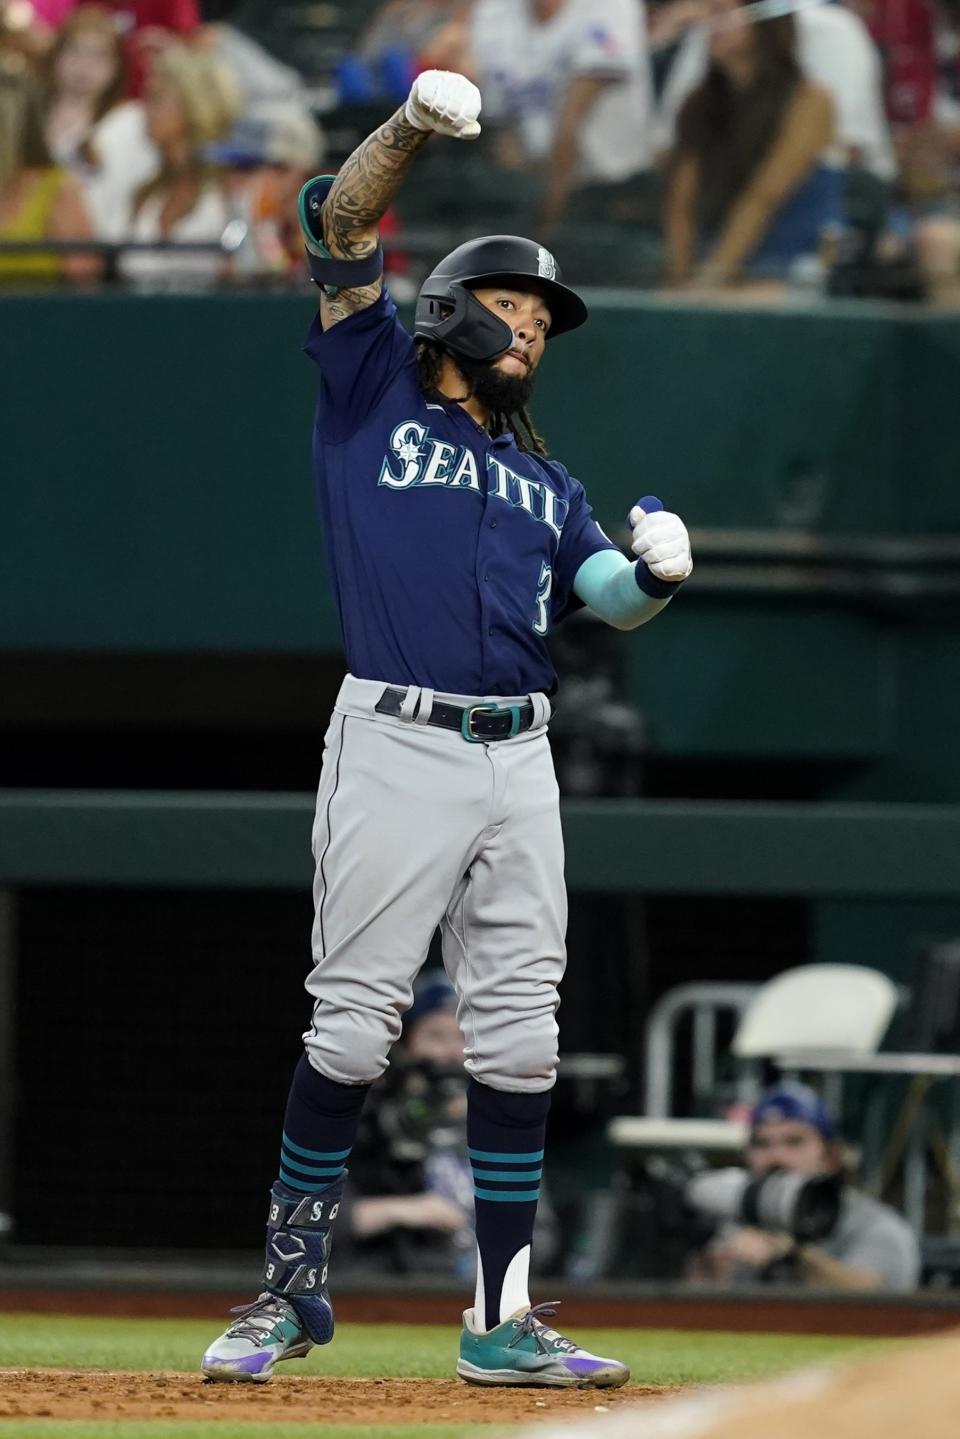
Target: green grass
363,1350
656,1356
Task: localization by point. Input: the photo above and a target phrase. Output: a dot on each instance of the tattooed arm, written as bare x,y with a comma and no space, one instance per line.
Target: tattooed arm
440,102
360,195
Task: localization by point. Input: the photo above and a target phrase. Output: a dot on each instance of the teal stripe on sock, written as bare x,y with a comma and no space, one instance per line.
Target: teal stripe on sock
508,1196
324,1173
315,1153
488,1157
507,1173
296,1183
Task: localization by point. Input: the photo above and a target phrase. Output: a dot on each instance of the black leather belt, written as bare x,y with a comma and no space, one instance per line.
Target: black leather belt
477,723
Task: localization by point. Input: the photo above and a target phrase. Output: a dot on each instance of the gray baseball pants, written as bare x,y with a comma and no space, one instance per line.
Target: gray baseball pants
415,828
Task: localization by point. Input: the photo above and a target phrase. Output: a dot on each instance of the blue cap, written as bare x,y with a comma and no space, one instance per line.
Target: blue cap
794,1101
272,132
431,992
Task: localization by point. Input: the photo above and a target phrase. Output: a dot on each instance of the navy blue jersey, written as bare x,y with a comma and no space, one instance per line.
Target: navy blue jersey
451,554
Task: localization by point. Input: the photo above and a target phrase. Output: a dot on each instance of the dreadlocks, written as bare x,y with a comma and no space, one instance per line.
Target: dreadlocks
520,422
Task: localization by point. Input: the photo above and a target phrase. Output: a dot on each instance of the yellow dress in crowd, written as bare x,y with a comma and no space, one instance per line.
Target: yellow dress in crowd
31,222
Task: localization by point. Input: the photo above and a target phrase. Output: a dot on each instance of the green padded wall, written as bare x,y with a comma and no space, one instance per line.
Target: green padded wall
157,491
156,451
157,458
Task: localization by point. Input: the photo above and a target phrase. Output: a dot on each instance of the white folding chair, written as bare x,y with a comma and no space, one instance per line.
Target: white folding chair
845,1008
820,1007
819,1010
658,1129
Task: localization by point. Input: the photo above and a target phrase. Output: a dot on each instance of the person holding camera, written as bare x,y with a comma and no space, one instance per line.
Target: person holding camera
409,1201
409,1204
792,1217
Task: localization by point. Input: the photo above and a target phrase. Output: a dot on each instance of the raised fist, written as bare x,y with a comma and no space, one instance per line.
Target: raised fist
661,541
446,102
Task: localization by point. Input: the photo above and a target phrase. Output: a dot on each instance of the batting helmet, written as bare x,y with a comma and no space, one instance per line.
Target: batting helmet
448,313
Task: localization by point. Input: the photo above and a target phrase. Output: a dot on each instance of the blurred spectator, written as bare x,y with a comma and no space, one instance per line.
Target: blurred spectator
405,25
411,1186
102,142
145,27
937,240
834,50
431,33
269,154
931,167
51,13
749,192
567,82
21,33
275,146
904,34
947,34
449,47
260,76
410,1200
38,200
928,132
123,159
403,38
871,1245
85,80
919,41
191,103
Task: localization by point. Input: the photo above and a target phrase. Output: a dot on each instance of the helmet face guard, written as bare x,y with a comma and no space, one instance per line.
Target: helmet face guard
450,315
468,328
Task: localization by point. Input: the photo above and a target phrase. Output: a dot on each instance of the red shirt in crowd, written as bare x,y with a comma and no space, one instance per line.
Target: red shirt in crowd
904,32
180,17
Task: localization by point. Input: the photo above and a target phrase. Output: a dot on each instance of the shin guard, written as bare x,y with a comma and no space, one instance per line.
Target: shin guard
298,1253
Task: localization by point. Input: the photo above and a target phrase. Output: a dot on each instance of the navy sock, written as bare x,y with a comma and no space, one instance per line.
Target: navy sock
319,1129
505,1139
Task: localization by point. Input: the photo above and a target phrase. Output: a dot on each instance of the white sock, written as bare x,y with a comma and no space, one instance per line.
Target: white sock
514,1292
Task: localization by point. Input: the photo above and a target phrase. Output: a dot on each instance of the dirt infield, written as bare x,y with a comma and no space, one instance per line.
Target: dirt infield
90,1394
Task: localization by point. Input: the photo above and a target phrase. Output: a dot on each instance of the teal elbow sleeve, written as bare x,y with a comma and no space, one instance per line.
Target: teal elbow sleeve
607,582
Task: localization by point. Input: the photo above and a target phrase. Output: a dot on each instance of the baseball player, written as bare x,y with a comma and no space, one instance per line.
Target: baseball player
454,546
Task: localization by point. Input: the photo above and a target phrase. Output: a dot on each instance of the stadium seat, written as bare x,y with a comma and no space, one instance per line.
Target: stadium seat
815,1007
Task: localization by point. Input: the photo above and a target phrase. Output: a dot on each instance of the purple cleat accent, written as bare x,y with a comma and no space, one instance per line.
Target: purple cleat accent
252,1364
266,1332
587,1364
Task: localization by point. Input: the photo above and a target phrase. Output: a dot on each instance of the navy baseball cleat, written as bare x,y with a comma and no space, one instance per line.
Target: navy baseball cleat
267,1331
524,1350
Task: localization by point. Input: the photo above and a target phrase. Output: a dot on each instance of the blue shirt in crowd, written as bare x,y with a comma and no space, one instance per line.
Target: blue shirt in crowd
451,554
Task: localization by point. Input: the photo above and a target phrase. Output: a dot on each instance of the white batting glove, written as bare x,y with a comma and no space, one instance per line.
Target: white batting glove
661,541
444,101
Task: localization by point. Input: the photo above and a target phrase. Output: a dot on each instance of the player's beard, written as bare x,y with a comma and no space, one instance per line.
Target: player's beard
497,391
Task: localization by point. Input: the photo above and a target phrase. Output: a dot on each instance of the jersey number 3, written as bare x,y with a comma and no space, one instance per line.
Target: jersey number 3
544,585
